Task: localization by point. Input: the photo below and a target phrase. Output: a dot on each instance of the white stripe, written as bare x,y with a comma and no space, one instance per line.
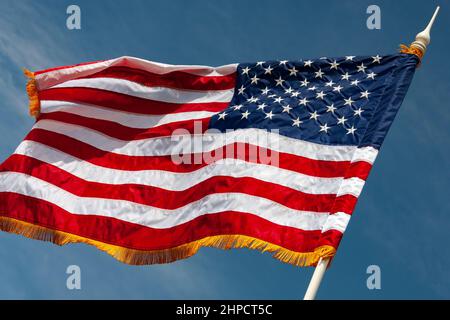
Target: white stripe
153,93
156,217
337,221
352,186
51,78
367,154
173,145
177,181
132,120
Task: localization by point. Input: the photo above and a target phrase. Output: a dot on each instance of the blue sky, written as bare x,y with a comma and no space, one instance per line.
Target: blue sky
402,220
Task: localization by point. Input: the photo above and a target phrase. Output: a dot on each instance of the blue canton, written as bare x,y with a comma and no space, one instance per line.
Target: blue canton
328,100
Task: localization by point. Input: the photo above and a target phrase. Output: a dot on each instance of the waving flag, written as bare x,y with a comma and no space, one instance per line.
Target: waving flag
149,162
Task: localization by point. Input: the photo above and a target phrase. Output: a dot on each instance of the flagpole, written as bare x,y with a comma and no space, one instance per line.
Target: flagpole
316,279
420,43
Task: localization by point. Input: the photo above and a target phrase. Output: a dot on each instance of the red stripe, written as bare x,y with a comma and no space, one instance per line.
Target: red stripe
118,131
345,203
360,169
123,102
174,79
129,235
168,199
330,238
87,152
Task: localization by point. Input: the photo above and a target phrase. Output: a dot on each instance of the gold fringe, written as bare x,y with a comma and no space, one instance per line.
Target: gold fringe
411,50
33,96
140,257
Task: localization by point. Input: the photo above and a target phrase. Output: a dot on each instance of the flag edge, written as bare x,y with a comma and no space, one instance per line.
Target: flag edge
184,251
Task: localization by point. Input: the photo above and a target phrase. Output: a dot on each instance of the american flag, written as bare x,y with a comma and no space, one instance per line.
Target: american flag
149,161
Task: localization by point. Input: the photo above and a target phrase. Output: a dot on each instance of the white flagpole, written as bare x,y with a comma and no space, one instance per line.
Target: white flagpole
421,42
316,279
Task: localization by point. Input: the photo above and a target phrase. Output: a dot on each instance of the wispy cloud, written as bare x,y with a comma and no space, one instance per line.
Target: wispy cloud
29,38
32,37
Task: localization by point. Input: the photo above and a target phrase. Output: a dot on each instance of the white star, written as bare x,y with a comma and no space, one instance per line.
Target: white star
338,88
261,107
260,63
245,115
334,65
303,102
362,68
348,101
349,58
320,95
245,70
324,128
241,90
304,83
237,107
288,90
279,99
331,108
308,63
371,76
295,94
319,74
358,112
312,88
355,82
345,76
265,91
279,81
313,115
293,71
222,115
296,122
283,62
376,59
365,94
351,130
268,70
255,79
253,99
269,115
341,120
287,108
329,84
